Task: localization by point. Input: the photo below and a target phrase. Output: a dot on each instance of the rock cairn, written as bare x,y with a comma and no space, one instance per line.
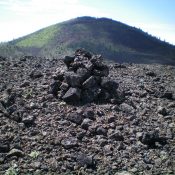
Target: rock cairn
86,80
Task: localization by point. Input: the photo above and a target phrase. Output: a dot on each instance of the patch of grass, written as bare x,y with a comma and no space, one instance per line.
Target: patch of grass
40,38
34,154
13,170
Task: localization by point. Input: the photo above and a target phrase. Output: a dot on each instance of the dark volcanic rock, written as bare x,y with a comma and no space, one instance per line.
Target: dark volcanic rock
72,95
126,108
54,87
59,75
25,84
68,60
162,110
151,73
86,123
109,84
73,79
64,86
4,148
117,135
150,138
89,66
124,124
167,94
84,160
89,113
101,131
84,73
35,74
90,83
28,120
75,118
69,142
90,95
12,109
111,119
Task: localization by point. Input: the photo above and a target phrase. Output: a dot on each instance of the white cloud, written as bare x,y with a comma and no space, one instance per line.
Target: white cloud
26,16
32,7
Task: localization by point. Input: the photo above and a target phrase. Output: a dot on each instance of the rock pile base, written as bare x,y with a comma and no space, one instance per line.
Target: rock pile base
85,80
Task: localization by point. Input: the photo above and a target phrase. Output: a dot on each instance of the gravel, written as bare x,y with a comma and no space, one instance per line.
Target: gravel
129,133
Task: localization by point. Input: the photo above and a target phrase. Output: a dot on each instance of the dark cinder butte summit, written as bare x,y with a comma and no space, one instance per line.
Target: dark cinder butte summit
114,40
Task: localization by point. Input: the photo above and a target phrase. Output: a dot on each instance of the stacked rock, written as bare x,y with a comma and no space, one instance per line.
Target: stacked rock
86,80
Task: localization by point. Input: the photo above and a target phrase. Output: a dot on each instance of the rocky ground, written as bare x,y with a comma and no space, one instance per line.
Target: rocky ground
44,129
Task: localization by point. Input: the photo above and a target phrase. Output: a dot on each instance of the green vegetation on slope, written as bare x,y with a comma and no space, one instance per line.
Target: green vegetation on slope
7,50
38,39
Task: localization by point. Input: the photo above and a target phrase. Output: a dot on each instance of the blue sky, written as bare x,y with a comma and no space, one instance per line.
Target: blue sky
21,17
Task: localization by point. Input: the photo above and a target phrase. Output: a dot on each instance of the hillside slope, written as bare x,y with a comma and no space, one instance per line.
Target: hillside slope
115,40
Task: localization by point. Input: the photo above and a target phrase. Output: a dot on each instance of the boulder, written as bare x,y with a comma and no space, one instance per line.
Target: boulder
85,160
86,123
76,65
54,87
73,79
127,108
89,66
64,86
75,118
101,131
117,135
72,95
83,73
100,69
90,95
97,61
109,84
69,142
150,138
89,113
35,74
68,60
90,83
59,75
